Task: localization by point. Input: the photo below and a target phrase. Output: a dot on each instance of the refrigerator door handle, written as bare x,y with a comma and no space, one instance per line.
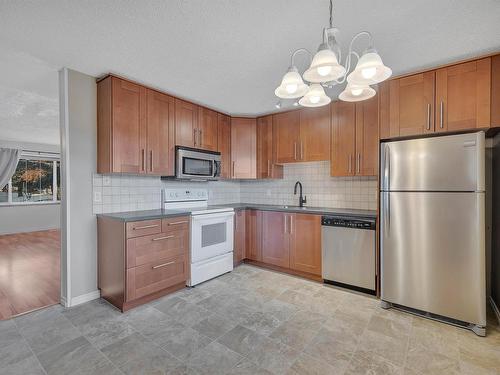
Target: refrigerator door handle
387,213
387,168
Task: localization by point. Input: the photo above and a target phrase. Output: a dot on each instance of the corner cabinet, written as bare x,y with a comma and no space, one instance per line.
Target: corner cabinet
355,138
135,128
243,148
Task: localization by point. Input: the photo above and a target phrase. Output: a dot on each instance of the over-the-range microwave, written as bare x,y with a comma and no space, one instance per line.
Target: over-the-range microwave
196,164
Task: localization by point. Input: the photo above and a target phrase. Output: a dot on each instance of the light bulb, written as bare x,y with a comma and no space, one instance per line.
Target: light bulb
356,92
368,73
291,88
314,99
324,70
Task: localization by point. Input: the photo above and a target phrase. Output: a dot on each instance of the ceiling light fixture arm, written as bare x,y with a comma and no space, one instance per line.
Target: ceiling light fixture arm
296,52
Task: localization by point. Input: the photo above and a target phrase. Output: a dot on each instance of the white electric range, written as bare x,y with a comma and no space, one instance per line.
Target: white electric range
212,230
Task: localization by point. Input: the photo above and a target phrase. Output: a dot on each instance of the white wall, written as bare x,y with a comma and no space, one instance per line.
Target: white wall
29,218
78,106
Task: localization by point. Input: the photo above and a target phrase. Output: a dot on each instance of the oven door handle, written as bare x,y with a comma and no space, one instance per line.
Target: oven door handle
212,215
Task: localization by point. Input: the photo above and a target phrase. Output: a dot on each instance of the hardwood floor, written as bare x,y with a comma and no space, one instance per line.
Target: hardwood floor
29,271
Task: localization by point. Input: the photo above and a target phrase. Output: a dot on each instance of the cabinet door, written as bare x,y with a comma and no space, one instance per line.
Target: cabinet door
186,123
286,136
160,134
367,137
385,129
244,147
412,104
266,168
207,129
239,236
343,139
253,235
463,96
305,244
129,125
315,126
224,144
275,238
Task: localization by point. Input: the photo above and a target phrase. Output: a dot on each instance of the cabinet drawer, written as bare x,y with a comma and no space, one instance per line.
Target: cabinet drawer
143,228
155,276
146,249
174,224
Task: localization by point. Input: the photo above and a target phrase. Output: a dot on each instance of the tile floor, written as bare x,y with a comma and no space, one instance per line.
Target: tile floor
250,321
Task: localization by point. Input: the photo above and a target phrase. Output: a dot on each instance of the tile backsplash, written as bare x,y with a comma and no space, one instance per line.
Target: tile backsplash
318,186
119,193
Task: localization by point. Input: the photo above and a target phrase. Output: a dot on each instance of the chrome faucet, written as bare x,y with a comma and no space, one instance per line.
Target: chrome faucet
302,200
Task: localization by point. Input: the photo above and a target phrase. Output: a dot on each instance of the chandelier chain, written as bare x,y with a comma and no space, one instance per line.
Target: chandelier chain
331,14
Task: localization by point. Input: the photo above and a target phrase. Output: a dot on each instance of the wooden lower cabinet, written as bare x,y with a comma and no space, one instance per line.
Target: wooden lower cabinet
287,240
239,252
275,238
305,244
143,260
253,233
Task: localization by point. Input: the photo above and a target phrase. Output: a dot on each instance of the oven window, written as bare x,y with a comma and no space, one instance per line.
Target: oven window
197,167
213,234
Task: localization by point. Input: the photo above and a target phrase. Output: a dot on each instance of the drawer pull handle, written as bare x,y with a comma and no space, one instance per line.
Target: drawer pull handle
162,238
178,223
147,226
163,265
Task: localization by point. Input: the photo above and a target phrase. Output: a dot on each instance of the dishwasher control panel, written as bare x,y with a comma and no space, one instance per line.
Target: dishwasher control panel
333,221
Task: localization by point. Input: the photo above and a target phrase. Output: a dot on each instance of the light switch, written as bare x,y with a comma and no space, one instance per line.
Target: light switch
97,196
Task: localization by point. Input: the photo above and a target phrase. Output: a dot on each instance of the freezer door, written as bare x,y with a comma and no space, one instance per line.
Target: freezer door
447,163
433,253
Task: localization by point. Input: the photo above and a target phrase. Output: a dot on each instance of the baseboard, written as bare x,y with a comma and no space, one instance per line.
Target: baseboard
64,302
495,309
85,298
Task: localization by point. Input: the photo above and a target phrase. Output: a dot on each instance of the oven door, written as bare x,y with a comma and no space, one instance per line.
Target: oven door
195,165
211,235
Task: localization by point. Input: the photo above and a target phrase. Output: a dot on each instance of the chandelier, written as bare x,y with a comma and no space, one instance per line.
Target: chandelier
326,70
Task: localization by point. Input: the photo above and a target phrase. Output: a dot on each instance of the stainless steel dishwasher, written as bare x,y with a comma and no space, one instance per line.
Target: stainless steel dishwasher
348,247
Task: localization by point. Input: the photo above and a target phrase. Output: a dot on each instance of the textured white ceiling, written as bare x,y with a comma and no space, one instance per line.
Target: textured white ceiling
29,109
231,54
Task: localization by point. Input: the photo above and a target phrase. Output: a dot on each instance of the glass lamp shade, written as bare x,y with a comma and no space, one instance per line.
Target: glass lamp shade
315,97
324,67
369,70
292,86
354,93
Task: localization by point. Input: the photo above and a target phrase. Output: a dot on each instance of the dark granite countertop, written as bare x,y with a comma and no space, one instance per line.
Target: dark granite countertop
159,214
310,210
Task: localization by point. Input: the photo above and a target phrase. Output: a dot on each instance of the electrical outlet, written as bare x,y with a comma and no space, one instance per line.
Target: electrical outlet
97,196
106,180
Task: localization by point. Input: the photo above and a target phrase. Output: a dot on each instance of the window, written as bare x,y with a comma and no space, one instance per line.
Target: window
34,181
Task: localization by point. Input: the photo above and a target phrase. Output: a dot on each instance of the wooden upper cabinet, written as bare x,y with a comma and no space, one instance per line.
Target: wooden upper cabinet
186,124
305,244
266,167
412,104
463,96
286,137
367,125
243,147
276,238
315,126
343,138
253,227
121,126
160,134
207,129
224,143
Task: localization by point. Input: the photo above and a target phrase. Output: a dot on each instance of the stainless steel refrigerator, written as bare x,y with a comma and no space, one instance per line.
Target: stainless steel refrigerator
432,229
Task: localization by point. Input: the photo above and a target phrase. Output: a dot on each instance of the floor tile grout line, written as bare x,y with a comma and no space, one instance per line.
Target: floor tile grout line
30,348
